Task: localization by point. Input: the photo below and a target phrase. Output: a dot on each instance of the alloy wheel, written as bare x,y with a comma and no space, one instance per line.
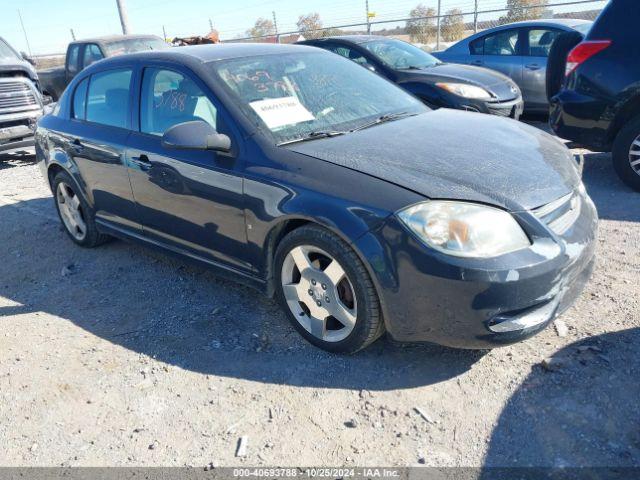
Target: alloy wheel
319,293
71,211
634,155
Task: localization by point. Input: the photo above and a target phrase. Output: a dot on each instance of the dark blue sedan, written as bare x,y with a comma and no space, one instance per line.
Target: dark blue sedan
316,181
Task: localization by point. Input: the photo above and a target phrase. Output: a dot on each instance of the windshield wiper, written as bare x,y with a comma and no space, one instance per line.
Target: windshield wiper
313,136
384,118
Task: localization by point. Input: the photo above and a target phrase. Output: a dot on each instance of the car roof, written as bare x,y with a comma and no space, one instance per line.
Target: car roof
208,53
113,38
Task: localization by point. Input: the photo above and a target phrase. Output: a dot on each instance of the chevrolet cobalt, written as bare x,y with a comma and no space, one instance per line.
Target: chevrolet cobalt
318,182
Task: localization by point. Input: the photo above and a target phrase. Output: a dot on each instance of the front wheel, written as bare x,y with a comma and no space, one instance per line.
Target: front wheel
626,154
326,291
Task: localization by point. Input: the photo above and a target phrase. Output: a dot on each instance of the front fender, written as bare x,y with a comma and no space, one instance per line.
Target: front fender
282,196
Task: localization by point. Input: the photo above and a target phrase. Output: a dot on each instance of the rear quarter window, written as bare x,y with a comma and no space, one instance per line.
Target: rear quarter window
79,103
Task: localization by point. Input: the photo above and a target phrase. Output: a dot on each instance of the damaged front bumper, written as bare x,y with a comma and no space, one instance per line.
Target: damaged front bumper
480,303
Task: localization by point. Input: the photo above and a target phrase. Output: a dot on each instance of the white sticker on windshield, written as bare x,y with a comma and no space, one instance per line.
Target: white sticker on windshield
278,112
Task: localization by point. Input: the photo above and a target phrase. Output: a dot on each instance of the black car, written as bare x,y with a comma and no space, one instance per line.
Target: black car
437,84
319,182
599,104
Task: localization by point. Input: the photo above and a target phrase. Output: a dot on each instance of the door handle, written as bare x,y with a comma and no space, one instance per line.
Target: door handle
477,62
142,161
77,145
533,66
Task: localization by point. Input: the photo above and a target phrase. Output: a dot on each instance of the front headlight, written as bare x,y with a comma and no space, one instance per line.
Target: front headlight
464,229
466,91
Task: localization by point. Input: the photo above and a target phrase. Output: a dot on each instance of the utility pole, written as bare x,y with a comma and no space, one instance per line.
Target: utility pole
275,25
73,34
368,21
25,32
439,13
475,18
124,18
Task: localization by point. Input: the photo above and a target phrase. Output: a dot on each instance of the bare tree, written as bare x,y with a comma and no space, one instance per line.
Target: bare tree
421,26
262,28
453,25
310,25
519,10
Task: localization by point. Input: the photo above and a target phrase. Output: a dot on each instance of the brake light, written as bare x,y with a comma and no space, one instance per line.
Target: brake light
584,51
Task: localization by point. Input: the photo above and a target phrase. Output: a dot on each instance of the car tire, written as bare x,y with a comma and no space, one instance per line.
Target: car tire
626,149
557,61
350,291
75,214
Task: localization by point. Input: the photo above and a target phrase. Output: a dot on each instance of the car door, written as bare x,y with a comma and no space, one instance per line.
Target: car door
500,51
96,139
537,45
190,201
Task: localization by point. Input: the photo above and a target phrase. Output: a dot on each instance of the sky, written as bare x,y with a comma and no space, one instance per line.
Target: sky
48,22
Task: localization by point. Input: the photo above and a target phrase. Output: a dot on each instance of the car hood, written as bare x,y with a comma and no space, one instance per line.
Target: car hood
9,65
451,154
502,86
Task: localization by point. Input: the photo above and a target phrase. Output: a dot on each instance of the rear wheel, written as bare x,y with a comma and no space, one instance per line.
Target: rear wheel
326,291
75,213
626,154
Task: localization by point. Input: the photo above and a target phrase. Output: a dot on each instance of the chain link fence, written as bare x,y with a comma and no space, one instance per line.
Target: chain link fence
438,31
431,31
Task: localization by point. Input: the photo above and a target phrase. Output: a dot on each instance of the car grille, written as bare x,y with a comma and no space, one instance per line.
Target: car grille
560,214
16,95
501,110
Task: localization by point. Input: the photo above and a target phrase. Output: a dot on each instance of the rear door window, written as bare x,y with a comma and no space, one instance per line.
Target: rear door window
540,41
108,100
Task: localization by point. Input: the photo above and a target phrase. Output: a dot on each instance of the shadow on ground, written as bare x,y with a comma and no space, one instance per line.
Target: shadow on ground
185,316
614,199
584,413
9,160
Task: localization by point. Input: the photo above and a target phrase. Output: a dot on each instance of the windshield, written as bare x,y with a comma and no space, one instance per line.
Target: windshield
400,55
7,52
134,45
301,94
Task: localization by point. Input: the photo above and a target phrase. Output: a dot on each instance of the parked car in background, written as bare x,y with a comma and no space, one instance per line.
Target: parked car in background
436,83
599,104
358,207
518,50
21,103
82,53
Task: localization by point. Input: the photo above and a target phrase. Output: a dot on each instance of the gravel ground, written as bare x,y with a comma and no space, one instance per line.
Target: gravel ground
123,356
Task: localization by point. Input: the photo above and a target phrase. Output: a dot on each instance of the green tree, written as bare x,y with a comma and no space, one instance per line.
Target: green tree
310,25
453,25
421,24
262,28
518,10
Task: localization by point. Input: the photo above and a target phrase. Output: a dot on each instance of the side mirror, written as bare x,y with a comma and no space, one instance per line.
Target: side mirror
27,58
196,135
